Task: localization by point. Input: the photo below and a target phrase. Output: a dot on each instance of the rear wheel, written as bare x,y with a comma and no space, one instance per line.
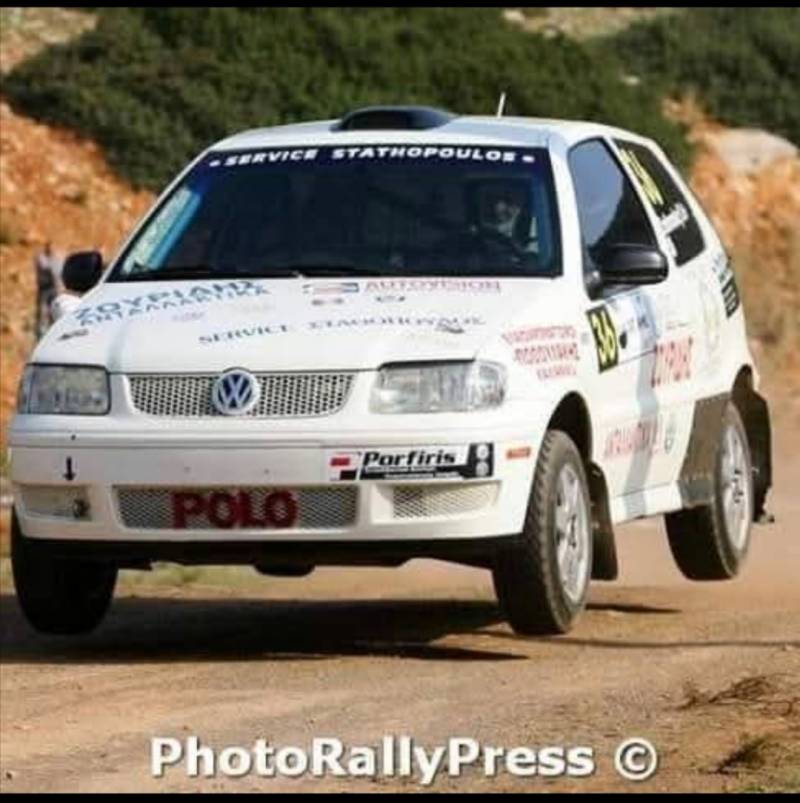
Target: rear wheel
58,595
542,581
710,542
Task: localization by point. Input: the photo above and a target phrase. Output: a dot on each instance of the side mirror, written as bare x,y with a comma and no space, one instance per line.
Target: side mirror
82,271
633,264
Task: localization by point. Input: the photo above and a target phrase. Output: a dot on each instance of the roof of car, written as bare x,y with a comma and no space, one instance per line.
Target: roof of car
519,131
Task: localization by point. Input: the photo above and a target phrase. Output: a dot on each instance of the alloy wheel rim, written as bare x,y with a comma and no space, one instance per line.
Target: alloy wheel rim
736,488
572,533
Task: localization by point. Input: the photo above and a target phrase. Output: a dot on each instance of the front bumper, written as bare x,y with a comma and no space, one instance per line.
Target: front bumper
48,466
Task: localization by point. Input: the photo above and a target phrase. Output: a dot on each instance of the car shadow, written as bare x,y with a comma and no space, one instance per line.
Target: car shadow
620,607
161,630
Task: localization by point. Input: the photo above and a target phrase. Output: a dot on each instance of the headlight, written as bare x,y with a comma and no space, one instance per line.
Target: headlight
438,387
64,390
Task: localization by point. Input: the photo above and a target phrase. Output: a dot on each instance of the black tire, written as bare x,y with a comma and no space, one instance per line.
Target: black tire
59,596
526,576
700,538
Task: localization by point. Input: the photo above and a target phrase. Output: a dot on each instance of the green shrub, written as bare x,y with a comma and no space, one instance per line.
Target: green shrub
155,85
742,63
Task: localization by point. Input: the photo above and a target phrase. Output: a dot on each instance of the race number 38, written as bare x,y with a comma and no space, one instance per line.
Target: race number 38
605,338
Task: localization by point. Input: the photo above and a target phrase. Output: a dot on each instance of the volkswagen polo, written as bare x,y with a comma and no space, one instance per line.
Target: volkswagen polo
399,334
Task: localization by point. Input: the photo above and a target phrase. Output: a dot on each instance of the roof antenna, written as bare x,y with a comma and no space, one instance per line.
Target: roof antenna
501,105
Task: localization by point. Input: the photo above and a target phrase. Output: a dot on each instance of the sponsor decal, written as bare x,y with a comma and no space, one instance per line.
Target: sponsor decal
552,350
673,362
452,325
322,302
188,317
645,181
437,322
229,510
432,285
174,298
536,333
677,217
670,433
417,462
727,283
670,218
639,323
669,313
712,323
605,337
648,436
632,439
74,333
443,153
365,153
274,156
243,333
330,288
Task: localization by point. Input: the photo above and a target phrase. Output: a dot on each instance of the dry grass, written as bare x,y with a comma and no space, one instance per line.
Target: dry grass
581,23
26,30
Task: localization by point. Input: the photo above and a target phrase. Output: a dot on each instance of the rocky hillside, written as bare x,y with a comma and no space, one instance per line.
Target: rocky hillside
749,182
59,188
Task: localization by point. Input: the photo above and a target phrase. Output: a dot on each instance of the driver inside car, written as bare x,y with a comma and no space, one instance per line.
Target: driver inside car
502,208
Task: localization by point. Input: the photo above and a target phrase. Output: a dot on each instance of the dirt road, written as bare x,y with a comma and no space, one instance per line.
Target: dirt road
710,674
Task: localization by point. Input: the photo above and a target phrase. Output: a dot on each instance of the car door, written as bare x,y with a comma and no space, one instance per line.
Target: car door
634,435
688,352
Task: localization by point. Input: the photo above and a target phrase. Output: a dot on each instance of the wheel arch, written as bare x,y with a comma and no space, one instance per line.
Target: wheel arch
572,416
754,410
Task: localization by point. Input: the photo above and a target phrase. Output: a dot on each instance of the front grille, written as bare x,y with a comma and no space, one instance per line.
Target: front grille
289,395
423,501
317,508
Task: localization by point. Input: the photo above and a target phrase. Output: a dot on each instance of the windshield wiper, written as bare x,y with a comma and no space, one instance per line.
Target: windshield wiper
315,269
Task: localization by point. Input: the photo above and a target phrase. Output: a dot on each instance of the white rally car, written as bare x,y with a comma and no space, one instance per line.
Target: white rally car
399,334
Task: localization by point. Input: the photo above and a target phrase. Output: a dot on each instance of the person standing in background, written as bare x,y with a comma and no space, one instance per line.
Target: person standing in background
48,273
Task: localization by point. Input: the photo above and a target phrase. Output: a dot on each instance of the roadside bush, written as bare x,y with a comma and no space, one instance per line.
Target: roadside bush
155,85
742,63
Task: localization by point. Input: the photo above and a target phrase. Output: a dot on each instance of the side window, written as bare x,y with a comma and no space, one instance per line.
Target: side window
669,203
609,210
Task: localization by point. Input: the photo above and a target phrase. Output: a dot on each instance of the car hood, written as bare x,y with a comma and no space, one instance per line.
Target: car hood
289,324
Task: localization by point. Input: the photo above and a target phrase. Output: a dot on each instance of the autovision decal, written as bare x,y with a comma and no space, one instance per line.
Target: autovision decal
431,285
160,300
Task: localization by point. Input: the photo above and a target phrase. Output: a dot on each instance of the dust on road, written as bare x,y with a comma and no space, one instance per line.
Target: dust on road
710,673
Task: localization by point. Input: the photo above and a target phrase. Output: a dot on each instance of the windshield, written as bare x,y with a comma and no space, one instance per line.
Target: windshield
396,210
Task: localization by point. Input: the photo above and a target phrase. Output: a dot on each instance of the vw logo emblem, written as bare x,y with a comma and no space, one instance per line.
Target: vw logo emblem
235,392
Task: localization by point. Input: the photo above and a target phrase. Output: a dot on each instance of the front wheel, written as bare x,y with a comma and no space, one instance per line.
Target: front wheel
710,542
58,595
542,581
